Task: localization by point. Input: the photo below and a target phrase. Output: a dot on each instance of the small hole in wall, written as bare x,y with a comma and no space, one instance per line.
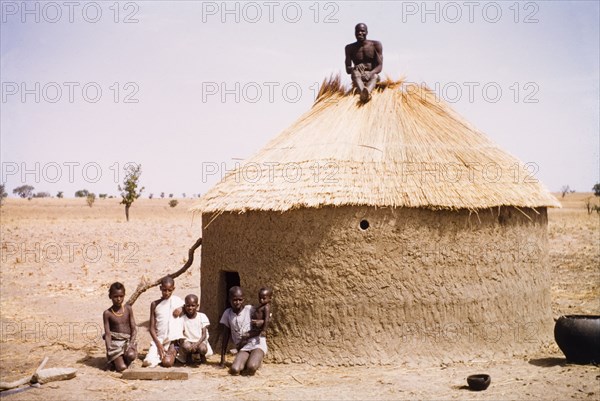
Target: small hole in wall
364,224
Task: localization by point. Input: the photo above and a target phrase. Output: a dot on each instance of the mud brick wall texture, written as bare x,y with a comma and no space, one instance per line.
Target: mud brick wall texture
372,286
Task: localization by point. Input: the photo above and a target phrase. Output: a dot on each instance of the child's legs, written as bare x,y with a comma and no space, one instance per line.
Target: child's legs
239,362
200,348
120,364
169,358
130,355
186,345
254,361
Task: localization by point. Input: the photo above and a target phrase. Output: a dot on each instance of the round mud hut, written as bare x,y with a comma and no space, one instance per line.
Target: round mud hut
391,231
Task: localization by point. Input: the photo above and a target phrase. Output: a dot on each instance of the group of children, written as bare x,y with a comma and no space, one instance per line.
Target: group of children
179,330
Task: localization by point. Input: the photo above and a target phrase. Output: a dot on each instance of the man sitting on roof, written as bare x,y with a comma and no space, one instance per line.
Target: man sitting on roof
367,56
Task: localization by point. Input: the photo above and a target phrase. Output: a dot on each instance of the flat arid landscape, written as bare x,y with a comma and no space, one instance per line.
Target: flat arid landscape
59,257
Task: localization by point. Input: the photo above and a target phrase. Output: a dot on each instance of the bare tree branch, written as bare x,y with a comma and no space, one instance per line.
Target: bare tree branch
145,284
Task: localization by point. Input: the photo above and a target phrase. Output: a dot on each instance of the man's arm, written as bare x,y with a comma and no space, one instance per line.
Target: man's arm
348,60
378,57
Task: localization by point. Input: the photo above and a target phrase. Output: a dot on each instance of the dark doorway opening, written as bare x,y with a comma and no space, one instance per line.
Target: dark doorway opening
231,279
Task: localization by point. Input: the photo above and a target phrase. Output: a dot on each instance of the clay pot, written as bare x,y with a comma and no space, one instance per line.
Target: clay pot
479,382
578,337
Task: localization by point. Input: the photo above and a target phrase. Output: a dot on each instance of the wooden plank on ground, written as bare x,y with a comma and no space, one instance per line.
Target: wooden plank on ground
148,374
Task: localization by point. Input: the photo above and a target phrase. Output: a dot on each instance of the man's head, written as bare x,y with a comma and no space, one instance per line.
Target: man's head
167,286
264,295
360,32
236,298
191,305
116,293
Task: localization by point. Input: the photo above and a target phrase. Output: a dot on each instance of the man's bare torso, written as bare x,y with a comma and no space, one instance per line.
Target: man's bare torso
363,53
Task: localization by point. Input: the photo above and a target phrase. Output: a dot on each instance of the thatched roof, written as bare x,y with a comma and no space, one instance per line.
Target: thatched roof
404,148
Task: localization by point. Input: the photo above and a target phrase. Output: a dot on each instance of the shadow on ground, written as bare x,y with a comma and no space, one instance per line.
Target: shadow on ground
548,362
98,362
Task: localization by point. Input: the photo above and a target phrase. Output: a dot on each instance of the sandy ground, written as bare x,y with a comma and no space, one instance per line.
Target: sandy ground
59,256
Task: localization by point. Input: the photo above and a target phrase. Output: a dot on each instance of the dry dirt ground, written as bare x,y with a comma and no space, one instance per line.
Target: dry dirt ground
59,257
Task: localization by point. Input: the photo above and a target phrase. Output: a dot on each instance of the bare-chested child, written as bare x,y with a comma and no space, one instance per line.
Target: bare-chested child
120,330
194,347
262,313
165,326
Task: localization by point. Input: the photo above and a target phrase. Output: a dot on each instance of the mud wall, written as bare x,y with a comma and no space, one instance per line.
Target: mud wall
359,285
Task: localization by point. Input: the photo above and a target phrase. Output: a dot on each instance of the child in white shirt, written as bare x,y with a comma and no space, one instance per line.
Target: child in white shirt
194,347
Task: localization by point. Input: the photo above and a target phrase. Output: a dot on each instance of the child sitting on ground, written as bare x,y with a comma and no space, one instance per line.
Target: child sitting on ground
165,327
236,322
119,330
194,347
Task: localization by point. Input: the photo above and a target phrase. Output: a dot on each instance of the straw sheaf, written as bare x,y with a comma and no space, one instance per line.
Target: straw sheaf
404,148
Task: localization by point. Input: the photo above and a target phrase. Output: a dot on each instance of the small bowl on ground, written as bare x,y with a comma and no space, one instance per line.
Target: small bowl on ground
479,382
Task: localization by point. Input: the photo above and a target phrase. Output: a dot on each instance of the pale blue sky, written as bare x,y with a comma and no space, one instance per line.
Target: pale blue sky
176,51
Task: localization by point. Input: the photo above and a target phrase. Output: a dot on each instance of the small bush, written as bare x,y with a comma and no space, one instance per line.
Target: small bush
173,202
90,199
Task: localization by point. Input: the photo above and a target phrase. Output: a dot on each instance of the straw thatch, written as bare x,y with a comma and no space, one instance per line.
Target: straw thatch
404,148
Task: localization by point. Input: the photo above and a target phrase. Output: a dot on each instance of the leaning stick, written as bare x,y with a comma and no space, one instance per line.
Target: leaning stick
42,365
25,380
145,284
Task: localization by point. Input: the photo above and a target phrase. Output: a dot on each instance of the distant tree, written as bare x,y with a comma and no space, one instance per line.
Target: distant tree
173,202
150,196
162,195
588,205
42,195
566,190
183,195
596,189
102,196
3,194
24,191
170,195
60,194
82,193
90,199
129,190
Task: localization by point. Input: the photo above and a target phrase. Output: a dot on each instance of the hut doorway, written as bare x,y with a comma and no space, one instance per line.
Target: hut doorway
230,279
